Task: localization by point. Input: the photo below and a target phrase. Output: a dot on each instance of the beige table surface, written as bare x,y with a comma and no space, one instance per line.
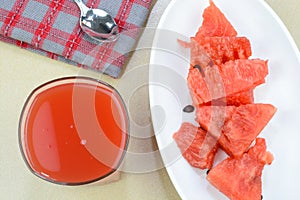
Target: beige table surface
21,71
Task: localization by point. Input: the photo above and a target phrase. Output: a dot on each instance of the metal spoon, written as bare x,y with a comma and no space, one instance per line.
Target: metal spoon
97,23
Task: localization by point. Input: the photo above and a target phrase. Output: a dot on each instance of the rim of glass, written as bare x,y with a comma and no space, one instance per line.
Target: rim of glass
66,80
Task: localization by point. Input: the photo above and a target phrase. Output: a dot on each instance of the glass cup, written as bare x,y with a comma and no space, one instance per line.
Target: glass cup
74,130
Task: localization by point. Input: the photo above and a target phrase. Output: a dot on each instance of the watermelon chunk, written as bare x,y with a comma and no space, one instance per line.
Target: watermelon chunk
223,49
233,77
240,179
196,146
242,98
215,23
217,49
235,127
246,97
200,57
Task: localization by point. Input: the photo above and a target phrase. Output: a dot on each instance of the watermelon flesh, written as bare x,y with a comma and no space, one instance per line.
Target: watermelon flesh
215,23
223,49
211,53
235,127
196,146
217,49
199,56
231,78
240,178
241,98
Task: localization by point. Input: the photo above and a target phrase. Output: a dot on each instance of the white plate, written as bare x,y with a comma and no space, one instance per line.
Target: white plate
169,94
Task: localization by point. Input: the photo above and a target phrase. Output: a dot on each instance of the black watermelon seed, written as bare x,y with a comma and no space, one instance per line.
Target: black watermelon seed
261,197
188,109
207,171
200,69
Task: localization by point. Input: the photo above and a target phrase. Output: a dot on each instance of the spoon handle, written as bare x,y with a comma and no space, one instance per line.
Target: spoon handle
83,8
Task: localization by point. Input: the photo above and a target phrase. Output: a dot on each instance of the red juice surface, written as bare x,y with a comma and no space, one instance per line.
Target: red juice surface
74,132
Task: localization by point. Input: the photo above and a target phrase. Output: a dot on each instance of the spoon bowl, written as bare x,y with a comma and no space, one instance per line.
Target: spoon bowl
97,23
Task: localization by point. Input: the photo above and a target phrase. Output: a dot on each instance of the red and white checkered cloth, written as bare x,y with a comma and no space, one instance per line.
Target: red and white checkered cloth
51,28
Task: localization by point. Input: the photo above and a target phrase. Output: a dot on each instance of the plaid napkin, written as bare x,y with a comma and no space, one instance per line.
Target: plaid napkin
51,28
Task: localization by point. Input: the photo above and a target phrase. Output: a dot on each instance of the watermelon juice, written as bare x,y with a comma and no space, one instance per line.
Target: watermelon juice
73,131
